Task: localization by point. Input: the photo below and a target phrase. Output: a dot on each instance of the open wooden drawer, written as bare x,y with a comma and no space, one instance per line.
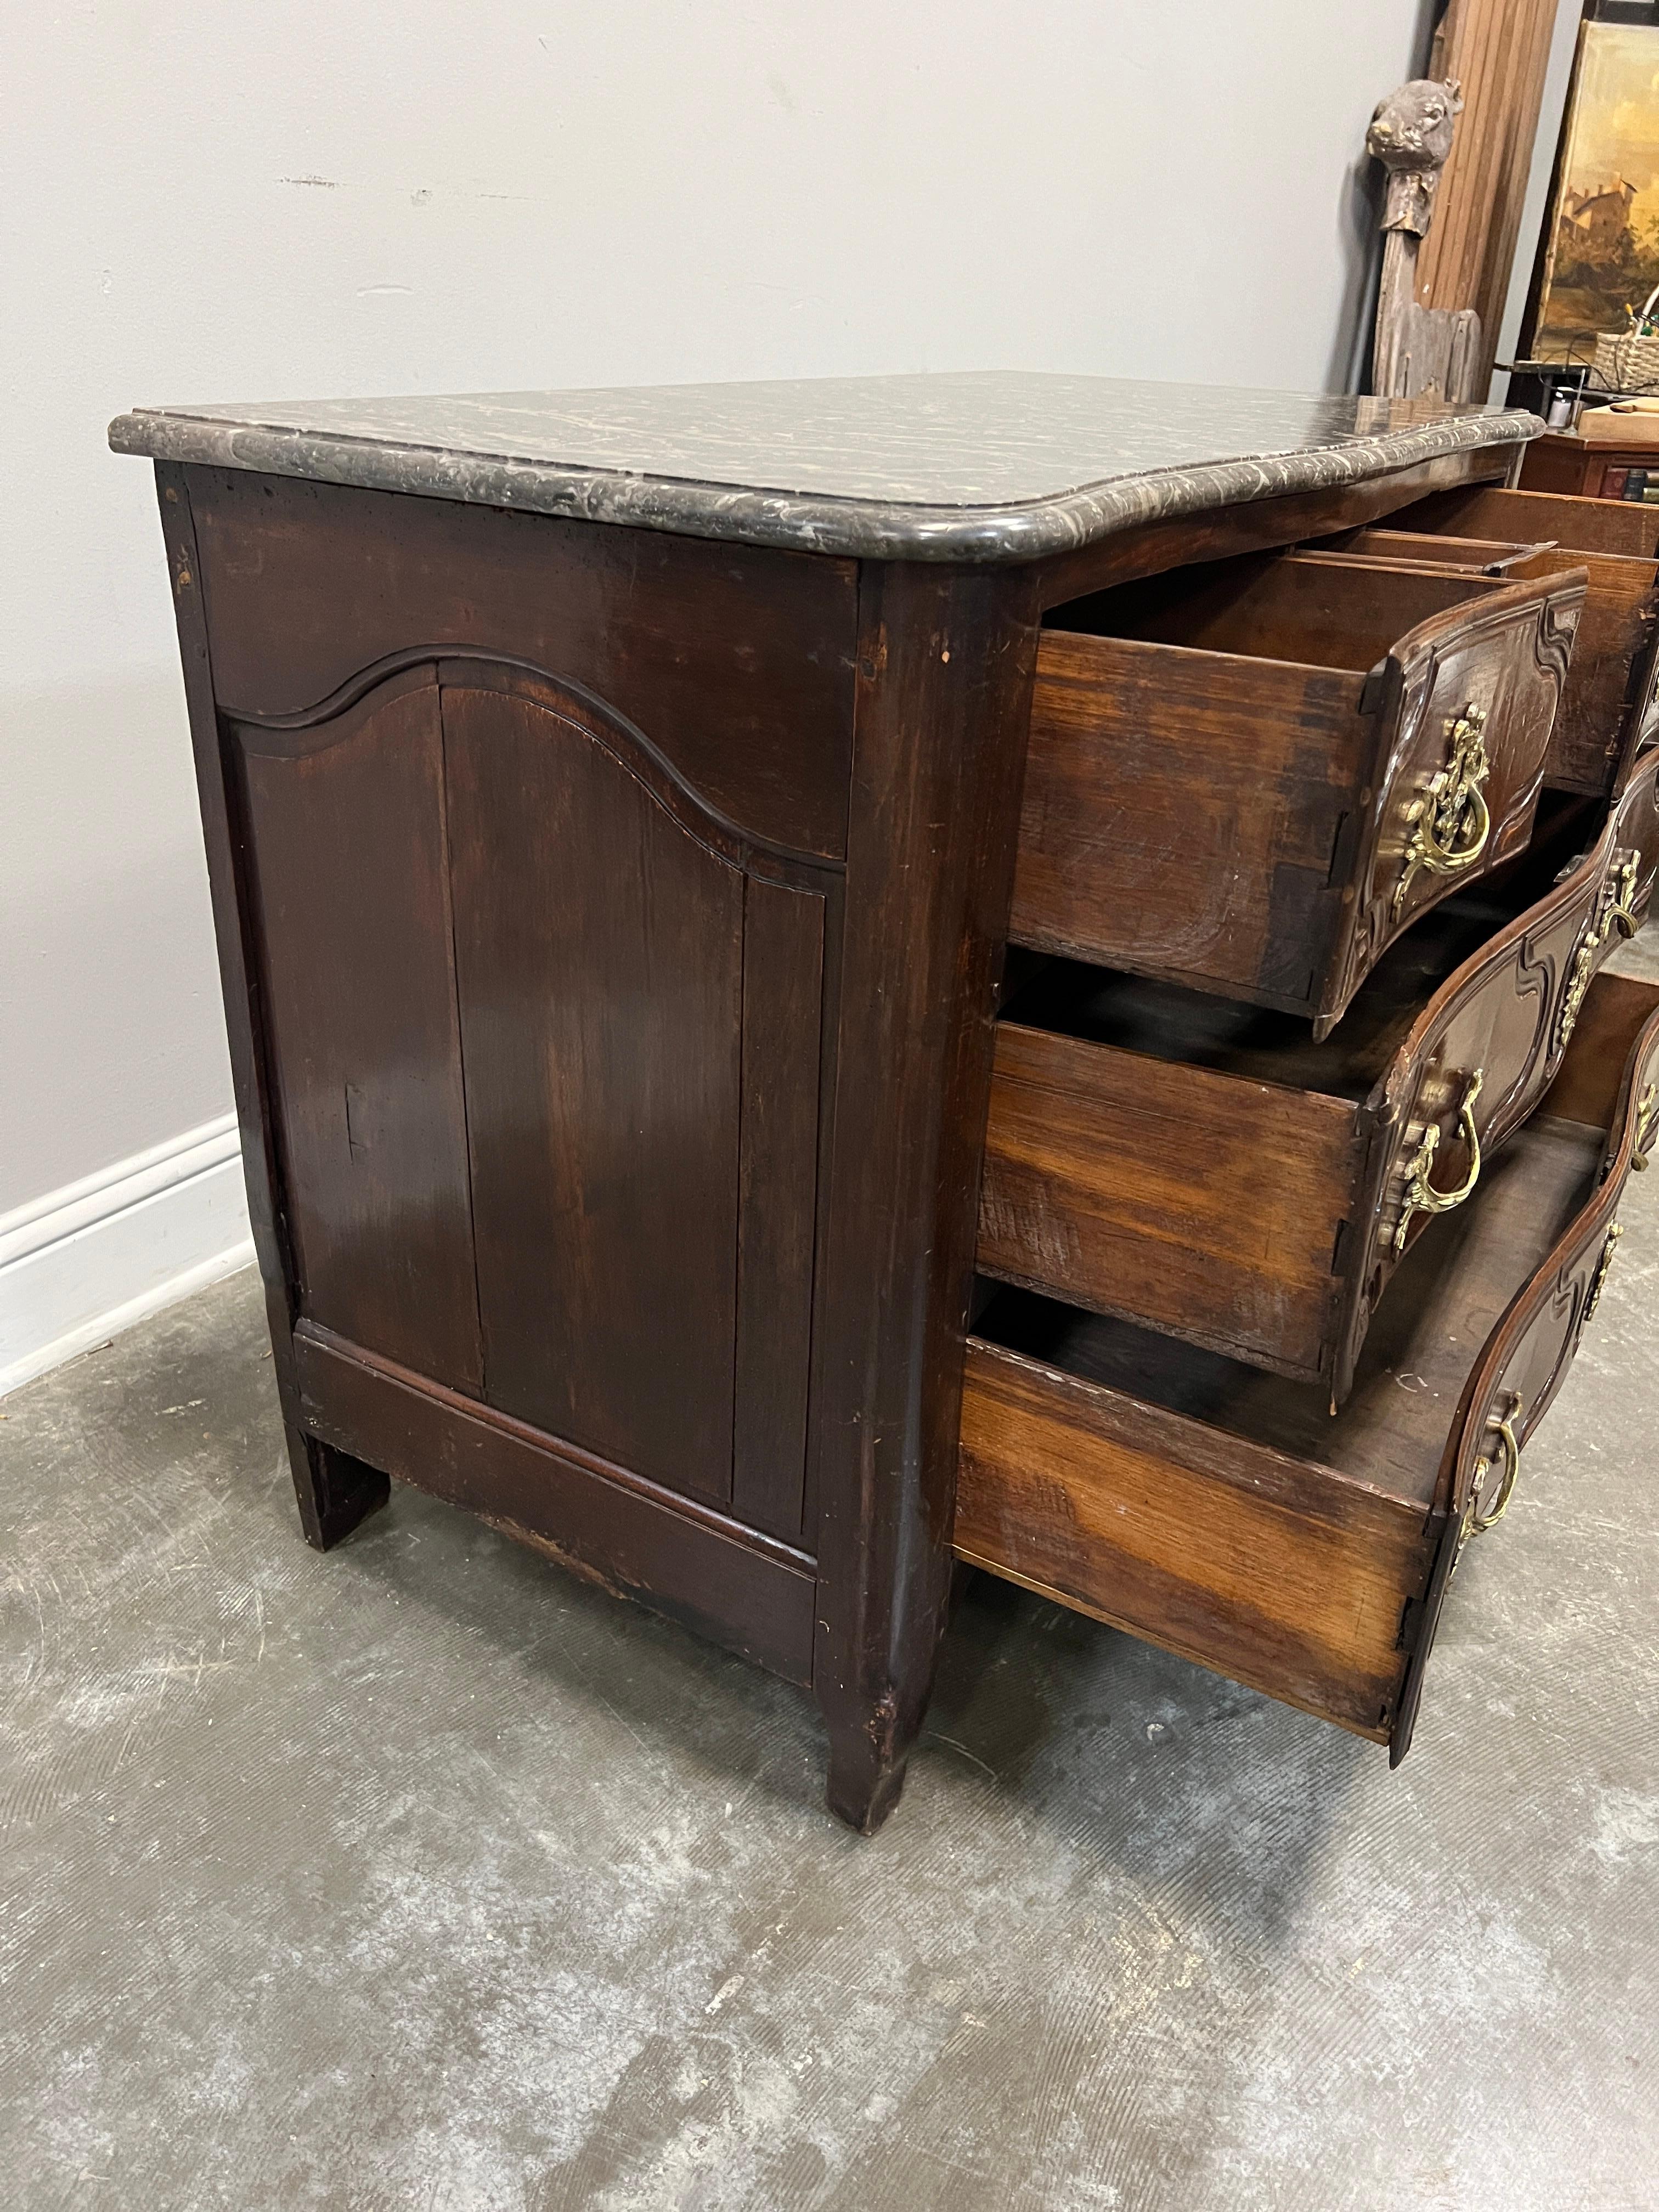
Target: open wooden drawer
1224,1514
1608,712
1249,776
1204,1167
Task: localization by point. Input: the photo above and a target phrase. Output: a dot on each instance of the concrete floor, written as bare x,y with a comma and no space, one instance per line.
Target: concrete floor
420,1875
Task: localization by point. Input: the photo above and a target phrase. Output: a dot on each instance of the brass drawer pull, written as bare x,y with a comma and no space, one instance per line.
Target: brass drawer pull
1598,1281
1475,1522
1450,822
1619,911
1616,910
1420,1195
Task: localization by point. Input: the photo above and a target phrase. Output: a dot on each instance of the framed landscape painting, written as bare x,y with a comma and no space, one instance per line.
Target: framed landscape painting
1600,248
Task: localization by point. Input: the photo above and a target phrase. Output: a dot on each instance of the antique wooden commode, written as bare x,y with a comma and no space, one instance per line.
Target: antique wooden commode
695,869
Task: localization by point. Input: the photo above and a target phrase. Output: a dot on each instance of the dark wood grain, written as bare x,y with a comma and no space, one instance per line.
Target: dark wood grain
1588,1087
1527,1355
1531,517
782,1014
1282,520
604,1522
598,953
333,1489
729,844
1208,1168
1237,820
1607,701
945,668
736,660
1181,811
348,880
1287,1577
1186,1199
1307,608
1228,1516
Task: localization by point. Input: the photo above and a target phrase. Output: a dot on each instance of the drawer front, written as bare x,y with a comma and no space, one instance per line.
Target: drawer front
1489,1044
1474,698
1264,830
1264,1220
1527,1355
1317,1586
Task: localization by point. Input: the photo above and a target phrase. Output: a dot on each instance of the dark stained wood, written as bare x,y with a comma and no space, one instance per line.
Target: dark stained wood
349,880
599,951
605,1523
945,668
725,1103
1532,518
1128,854
334,1490
1283,520
1562,464
1592,1076
1527,1356
1202,806
1607,709
1388,547
1308,608
1229,1517
734,661
782,1012
1209,1170
1609,686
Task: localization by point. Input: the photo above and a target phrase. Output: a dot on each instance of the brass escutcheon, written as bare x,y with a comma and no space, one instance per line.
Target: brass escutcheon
1420,1195
1451,822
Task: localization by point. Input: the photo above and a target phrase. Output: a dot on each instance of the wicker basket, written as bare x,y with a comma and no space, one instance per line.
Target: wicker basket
1627,363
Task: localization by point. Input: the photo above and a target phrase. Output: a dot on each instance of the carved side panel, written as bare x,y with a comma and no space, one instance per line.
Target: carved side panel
640,1019
346,849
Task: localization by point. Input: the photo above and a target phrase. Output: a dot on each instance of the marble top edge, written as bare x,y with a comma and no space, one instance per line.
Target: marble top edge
981,466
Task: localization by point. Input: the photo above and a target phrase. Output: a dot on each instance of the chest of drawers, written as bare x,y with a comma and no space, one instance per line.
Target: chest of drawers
618,819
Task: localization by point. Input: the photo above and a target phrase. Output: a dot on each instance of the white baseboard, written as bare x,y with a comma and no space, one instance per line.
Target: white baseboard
86,1261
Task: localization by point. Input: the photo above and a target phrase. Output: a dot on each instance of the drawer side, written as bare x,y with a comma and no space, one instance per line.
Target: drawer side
1281,1573
1188,1199
1157,779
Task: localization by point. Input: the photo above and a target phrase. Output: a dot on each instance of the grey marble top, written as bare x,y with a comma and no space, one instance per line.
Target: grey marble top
988,466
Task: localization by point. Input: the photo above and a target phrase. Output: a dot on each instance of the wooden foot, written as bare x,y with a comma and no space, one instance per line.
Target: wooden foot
335,1491
867,1772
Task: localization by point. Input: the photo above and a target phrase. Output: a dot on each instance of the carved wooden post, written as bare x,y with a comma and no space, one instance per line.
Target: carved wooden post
1434,352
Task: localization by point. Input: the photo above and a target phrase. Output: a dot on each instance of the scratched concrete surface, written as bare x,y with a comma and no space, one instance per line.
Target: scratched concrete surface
419,1875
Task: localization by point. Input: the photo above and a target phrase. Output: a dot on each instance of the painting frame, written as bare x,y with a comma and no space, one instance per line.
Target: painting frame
1599,254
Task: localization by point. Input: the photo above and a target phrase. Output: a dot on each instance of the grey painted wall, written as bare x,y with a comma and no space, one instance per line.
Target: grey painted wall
216,204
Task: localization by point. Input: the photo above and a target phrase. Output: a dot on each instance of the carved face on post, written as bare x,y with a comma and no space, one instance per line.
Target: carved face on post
1411,135
1413,128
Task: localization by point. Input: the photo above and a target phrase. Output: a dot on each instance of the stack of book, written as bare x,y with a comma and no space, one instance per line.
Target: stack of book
1640,484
